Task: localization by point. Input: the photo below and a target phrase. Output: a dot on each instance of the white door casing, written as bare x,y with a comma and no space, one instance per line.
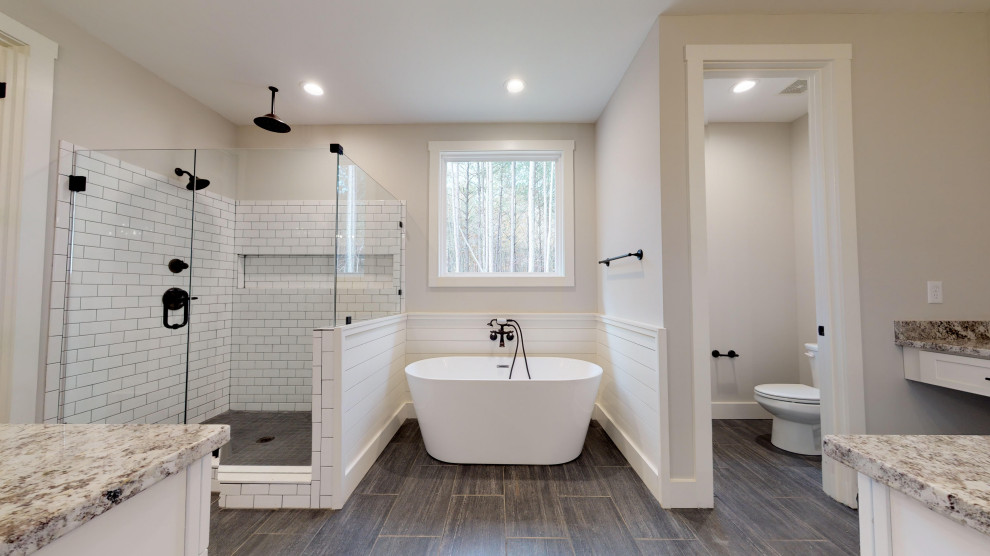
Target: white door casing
828,69
28,308
13,69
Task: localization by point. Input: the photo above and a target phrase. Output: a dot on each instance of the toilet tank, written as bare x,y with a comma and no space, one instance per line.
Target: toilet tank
811,351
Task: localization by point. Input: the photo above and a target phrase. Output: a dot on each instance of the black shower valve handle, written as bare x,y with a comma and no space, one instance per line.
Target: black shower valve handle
175,299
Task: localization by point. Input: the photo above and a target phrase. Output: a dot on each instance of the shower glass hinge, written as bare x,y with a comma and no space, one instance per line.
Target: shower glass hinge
337,148
3,90
77,183
400,224
400,291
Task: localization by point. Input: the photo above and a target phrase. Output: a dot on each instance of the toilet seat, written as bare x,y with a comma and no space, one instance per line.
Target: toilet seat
794,393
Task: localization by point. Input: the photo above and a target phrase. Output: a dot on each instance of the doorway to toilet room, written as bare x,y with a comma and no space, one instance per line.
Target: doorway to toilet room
773,245
761,270
760,263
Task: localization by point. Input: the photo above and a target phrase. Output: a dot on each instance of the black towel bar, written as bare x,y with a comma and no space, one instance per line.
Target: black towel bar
638,254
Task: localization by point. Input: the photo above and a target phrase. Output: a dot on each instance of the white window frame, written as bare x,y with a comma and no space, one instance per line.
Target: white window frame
440,151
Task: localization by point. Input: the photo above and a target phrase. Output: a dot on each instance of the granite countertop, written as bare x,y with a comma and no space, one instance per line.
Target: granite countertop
948,474
967,338
54,478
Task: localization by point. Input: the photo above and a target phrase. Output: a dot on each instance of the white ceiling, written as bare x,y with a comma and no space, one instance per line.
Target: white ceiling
406,61
762,103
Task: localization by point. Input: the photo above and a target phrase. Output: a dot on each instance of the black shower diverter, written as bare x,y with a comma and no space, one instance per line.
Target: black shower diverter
177,265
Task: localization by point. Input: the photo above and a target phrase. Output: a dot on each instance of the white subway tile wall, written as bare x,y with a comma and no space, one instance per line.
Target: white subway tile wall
249,348
286,251
121,364
273,347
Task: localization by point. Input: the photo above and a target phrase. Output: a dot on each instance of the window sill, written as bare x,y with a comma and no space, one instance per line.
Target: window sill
514,281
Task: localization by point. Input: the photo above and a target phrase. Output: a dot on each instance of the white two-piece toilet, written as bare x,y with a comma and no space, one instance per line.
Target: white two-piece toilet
796,410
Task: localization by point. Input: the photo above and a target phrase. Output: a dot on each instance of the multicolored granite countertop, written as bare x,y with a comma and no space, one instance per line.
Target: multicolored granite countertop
54,478
961,337
948,474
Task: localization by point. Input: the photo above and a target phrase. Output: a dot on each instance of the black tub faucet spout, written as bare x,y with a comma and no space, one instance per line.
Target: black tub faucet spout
501,334
508,330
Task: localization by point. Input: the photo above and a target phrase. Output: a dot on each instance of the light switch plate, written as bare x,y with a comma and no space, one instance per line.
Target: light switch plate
934,291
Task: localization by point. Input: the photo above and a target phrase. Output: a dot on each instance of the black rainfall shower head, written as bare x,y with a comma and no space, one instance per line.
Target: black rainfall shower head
270,121
194,182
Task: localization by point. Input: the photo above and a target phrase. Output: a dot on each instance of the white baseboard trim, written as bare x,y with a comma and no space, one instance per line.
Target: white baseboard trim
646,471
359,468
739,410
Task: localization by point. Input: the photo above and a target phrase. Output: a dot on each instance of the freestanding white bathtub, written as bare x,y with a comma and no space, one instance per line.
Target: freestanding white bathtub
470,412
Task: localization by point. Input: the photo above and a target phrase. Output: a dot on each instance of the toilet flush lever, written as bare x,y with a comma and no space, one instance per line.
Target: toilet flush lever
731,354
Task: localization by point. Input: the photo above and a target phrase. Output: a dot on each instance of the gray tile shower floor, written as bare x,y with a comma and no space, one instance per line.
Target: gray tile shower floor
767,502
266,437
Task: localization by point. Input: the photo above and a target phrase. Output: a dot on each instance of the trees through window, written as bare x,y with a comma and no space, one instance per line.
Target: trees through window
501,213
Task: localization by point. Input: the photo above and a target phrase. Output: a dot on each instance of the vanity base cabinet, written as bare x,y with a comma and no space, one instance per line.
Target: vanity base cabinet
893,524
169,518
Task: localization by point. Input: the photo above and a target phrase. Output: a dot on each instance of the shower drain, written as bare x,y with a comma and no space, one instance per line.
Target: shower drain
264,439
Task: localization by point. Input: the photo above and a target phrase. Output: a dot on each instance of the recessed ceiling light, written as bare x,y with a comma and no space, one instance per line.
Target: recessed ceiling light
312,88
515,85
744,85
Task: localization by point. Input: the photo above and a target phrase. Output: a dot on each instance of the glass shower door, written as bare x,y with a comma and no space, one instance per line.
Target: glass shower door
263,254
124,337
370,248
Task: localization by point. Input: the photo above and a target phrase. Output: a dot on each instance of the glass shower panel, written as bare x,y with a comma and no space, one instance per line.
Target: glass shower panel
125,331
263,245
213,279
370,247
194,280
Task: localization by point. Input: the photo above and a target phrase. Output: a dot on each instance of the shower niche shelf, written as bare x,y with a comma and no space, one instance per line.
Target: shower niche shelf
377,272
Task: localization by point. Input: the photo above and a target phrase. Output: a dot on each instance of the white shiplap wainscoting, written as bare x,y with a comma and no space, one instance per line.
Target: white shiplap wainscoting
360,399
632,400
552,334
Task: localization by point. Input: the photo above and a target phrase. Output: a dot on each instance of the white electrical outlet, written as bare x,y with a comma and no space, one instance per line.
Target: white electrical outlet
934,292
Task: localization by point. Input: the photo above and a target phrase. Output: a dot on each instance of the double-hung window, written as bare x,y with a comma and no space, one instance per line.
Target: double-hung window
501,213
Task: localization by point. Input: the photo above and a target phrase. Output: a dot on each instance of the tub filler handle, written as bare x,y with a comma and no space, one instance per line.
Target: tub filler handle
502,334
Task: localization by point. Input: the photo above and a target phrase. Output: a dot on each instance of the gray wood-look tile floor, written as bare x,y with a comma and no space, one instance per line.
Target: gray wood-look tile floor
767,502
